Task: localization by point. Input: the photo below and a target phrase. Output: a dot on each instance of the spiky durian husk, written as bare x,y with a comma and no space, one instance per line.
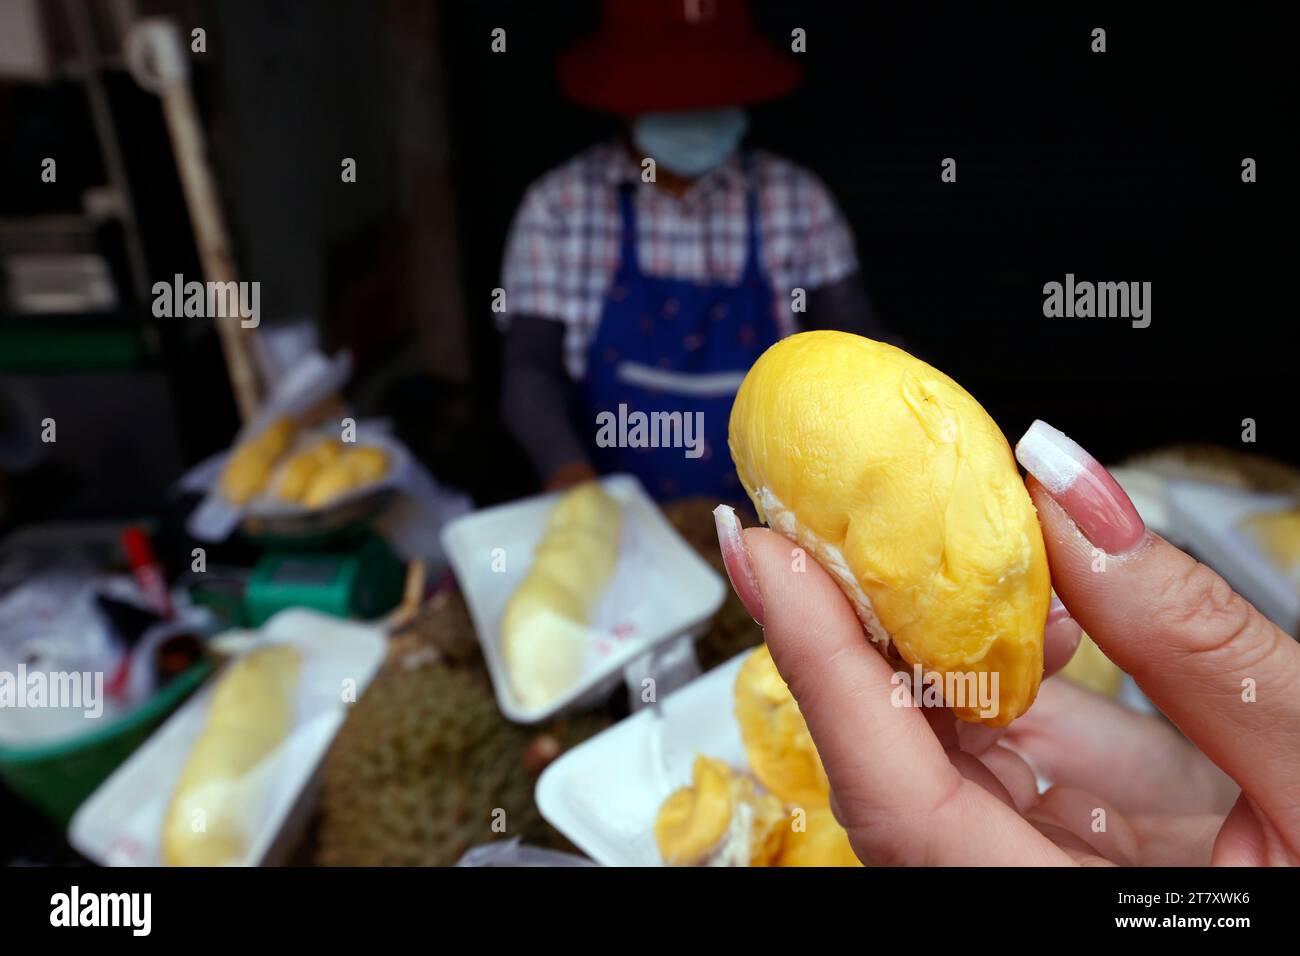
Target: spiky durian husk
421,767
425,757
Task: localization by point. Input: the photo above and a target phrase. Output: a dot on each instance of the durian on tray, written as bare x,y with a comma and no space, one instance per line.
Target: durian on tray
278,468
539,601
201,790
721,772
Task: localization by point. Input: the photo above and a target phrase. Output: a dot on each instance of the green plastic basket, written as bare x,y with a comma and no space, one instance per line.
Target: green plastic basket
57,777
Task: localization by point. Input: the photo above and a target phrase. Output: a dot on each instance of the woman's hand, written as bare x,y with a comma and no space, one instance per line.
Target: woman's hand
914,787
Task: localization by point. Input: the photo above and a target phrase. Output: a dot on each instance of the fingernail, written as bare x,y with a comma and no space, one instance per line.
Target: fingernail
1057,611
1080,485
736,558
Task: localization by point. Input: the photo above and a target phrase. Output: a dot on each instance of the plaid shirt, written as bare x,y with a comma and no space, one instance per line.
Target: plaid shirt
563,247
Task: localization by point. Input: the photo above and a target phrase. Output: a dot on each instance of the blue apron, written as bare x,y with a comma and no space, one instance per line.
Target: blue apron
666,359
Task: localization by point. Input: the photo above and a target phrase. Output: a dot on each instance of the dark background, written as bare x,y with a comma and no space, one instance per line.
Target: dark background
1122,166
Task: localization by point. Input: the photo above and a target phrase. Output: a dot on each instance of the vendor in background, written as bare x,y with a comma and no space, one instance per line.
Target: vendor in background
658,296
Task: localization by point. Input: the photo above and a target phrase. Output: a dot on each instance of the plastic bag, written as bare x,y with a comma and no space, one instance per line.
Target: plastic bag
513,853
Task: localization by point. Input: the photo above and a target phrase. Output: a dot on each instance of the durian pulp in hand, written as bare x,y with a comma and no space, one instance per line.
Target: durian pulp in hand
213,808
545,632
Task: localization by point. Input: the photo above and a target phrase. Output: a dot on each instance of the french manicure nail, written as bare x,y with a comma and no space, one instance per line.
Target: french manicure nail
1079,484
736,558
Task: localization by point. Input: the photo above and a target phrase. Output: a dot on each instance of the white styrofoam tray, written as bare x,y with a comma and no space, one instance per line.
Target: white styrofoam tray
121,822
660,589
604,794
1208,519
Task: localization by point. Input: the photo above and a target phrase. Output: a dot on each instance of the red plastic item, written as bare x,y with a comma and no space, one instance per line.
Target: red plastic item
148,572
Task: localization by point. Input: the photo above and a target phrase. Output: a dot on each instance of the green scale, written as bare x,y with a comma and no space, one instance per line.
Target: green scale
352,577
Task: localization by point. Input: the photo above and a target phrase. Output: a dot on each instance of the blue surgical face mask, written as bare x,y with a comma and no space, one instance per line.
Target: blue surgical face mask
690,143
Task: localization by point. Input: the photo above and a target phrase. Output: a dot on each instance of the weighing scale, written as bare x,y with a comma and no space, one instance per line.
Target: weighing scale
327,559
357,578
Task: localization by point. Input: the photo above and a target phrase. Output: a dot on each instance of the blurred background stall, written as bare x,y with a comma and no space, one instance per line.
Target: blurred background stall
367,160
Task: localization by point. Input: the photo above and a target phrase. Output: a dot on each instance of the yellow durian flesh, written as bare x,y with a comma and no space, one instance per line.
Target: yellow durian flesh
783,757
544,630
899,482
580,558
694,819
791,823
545,639
329,483
545,655
820,842
274,440
694,826
209,820
780,750
244,477
298,473
769,822
367,463
587,505
250,465
350,469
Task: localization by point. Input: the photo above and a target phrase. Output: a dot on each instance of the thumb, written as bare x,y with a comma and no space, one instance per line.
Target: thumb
1225,675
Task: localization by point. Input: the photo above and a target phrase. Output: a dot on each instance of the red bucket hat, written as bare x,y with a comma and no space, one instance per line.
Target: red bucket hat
658,55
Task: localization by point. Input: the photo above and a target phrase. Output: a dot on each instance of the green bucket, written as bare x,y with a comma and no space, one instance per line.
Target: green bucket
57,777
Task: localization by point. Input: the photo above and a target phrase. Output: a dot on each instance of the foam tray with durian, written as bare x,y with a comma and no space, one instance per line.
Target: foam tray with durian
279,468
567,589
774,812
723,772
229,779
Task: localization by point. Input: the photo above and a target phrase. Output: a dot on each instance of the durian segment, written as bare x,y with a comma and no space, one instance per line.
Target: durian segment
250,465
209,821
367,463
783,757
541,594
818,841
545,631
587,506
352,469
545,652
780,749
569,554
768,822
329,483
302,468
721,819
694,819
889,464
